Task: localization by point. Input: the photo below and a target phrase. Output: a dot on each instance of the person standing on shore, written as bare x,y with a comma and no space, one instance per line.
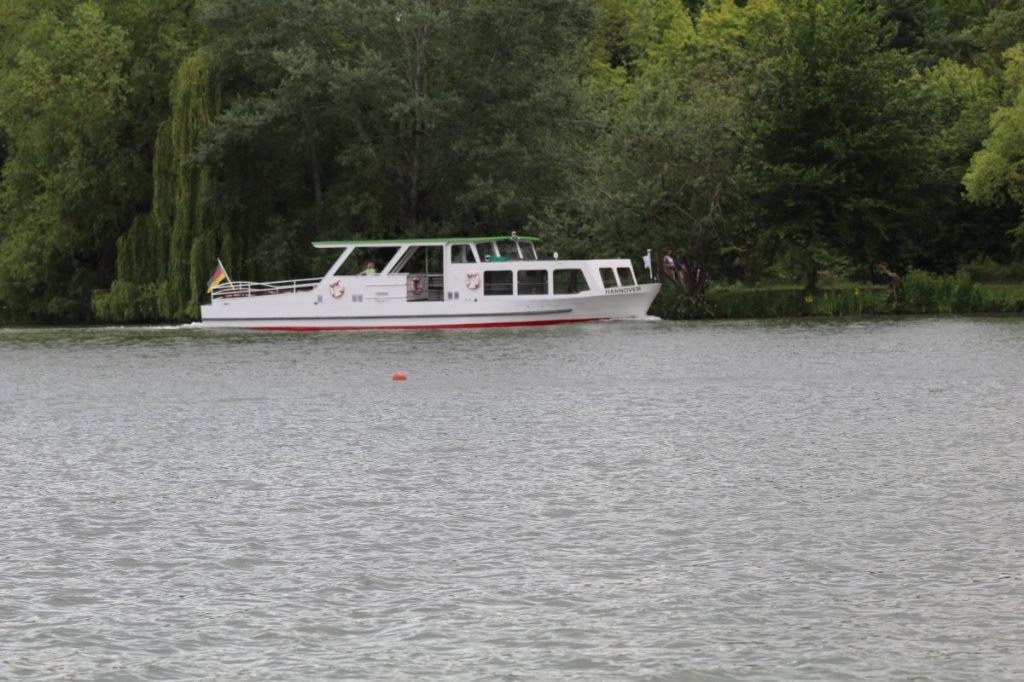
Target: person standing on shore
894,282
682,269
668,266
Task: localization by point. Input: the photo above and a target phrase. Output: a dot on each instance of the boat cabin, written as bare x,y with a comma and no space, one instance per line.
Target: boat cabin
453,269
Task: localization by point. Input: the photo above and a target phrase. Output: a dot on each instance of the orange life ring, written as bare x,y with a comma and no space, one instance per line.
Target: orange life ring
473,280
337,289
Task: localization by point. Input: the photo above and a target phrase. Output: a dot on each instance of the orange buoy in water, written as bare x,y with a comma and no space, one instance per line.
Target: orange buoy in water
398,376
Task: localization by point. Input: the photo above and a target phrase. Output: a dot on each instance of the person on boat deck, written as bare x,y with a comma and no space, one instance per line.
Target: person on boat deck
369,268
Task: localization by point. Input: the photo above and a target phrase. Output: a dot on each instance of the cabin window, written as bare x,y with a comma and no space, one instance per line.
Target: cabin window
362,257
463,253
533,282
529,253
498,283
608,278
570,281
626,277
486,250
421,259
508,250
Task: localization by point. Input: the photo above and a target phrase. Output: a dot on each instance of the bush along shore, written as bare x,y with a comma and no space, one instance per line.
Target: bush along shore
919,293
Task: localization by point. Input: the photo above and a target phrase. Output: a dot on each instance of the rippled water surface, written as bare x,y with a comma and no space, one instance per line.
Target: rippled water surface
716,501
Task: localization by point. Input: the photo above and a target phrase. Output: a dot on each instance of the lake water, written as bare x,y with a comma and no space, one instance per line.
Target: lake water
627,501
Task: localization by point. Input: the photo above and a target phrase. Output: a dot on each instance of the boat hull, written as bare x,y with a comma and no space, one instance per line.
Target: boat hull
307,311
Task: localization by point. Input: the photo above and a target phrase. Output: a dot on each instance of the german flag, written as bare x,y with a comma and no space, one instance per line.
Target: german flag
219,275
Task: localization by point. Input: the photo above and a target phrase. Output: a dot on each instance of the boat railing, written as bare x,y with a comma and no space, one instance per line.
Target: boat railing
242,289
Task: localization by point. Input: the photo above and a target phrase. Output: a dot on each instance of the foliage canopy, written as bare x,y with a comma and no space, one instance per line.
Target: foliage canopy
762,139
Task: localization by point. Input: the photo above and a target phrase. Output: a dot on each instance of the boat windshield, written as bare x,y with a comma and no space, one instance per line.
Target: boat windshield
485,249
462,253
361,259
508,250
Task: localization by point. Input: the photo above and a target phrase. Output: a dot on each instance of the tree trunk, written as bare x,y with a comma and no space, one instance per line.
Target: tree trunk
318,194
417,84
812,280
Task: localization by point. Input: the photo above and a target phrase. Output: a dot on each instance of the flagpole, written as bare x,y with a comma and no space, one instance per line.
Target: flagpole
228,277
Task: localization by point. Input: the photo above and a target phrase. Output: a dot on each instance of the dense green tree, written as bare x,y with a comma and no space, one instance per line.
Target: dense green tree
991,33
837,134
996,173
666,169
60,201
296,84
946,230
504,150
408,113
82,101
141,141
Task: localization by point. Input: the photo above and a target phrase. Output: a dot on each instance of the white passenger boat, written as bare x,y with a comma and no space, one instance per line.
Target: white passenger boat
436,283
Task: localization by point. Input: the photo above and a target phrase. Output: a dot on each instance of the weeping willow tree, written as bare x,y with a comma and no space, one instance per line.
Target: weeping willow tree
300,121
163,260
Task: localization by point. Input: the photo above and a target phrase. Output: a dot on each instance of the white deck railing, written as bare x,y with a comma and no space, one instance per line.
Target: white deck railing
242,289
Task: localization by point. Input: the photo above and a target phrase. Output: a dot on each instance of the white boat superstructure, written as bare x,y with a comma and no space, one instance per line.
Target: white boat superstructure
436,283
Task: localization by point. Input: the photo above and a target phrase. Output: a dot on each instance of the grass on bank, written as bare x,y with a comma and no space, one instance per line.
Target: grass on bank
920,293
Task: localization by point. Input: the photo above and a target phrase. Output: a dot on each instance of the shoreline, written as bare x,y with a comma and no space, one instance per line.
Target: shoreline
930,295
922,294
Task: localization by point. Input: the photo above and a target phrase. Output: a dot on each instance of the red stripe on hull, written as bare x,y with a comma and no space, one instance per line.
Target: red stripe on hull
477,325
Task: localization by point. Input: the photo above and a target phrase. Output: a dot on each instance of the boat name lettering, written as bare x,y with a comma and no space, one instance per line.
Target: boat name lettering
624,290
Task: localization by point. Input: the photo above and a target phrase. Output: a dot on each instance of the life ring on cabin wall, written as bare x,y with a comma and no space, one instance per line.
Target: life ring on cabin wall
416,285
473,280
337,289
